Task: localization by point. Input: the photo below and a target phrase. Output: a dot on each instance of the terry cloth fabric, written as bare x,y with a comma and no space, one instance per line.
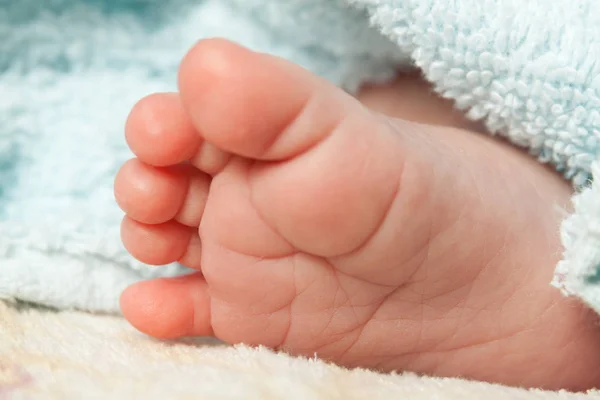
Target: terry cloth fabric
70,70
74,356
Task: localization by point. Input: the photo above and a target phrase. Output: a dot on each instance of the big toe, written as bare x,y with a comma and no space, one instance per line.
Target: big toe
256,105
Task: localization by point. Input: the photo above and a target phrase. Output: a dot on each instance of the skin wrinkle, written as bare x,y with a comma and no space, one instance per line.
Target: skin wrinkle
372,317
394,198
332,307
343,354
385,215
424,266
539,319
322,349
357,333
296,296
352,336
503,303
339,337
381,285
214,295
471,283
256,164
287,127
368,156
447,293
260,215
326,131
348,301
361,323
431,236
335,306
418,259
421,325
547,232
571,340
341,286
459,219
427,249
502,300
343,334
461,316
287,303
471,345
477,187
385,293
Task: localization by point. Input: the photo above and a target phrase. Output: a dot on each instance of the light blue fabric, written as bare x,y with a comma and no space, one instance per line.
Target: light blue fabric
71,69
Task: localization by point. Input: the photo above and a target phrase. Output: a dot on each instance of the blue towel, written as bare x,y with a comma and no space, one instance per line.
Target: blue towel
70,70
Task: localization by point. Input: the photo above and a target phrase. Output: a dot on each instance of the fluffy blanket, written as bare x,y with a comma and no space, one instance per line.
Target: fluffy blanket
71,355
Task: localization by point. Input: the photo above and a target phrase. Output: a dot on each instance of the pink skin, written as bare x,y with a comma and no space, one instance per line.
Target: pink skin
320,226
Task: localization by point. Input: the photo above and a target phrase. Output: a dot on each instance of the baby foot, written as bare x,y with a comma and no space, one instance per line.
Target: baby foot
321,227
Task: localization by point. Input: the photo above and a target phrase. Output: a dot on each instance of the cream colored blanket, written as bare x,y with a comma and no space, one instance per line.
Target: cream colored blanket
63,356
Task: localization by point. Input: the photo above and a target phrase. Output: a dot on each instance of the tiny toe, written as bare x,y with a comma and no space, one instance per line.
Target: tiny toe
159,132
169,308
151,195
156,244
